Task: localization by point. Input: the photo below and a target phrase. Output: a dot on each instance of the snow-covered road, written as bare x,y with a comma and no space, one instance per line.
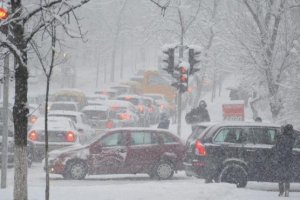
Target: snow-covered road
140,187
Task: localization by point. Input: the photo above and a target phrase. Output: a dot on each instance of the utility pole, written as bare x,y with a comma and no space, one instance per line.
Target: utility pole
5,121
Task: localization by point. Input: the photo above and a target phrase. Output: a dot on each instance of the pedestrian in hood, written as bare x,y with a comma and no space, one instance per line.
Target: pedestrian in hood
164,121
199,114
283,155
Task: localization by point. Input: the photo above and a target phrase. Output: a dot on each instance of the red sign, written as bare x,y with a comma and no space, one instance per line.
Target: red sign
233,112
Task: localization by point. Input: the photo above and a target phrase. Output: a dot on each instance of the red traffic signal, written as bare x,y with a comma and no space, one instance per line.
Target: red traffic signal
3,13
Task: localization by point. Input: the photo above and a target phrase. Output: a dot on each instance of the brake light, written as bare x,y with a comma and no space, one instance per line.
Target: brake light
161,107
200,149
70,136
141,108
124,116
33,135
150,109
109,124
33,119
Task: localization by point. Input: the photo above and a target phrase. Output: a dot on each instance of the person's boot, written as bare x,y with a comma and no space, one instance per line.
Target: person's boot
281,189
286,189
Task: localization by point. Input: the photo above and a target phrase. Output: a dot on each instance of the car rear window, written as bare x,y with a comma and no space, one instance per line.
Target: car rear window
96,115
196,133
69,107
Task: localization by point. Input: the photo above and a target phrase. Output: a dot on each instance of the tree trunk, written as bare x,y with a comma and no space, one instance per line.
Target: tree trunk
20,110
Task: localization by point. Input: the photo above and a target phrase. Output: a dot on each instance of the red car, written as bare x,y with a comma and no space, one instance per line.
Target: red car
156,152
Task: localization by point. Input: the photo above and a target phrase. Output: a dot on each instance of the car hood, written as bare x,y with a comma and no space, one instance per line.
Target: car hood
70,150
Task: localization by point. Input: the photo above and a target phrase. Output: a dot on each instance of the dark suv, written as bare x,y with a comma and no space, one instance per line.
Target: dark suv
235,152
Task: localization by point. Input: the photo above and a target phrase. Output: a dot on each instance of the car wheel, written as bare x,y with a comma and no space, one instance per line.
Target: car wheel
77,170
164,170
234,173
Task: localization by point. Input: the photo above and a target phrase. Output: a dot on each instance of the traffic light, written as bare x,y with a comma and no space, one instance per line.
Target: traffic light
194,59
3,16
184,79
169,59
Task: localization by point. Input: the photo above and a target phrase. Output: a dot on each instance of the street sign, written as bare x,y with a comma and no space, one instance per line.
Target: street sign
233,111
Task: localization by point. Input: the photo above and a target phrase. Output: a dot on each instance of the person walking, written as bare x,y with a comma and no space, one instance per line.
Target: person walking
283,151
164,121
198,114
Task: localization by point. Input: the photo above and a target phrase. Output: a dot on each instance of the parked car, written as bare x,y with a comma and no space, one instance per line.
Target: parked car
235,152
156,152
64,105
82,122
62,132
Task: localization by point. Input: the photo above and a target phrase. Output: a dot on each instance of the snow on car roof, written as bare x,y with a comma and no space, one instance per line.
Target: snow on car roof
120,103
236,123
57,123
130,96
96,107
65,102
64,112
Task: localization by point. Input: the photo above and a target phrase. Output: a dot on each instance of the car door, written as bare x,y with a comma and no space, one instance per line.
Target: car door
143,151
262,163
232,143
296,152
108,154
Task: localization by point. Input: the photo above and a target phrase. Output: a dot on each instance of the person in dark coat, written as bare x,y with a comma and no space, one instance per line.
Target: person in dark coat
199,114
283,152
164,121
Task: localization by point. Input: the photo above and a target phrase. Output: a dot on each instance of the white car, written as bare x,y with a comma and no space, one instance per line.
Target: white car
80,119
62,132
64,105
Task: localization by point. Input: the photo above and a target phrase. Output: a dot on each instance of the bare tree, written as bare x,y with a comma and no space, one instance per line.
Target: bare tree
25,23
266,36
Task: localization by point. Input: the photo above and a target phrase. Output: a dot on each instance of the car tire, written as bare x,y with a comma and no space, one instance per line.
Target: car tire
234,173
77,170
164,170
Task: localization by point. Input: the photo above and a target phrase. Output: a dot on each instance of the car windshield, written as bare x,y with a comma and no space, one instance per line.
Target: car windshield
96,114
69,107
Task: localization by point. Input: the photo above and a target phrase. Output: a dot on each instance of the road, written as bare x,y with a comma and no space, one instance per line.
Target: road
139,187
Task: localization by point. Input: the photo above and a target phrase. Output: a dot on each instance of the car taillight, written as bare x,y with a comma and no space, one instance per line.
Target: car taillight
150,109
33,119
200,149
33,135
70,136
109,124
141,108
124,116
161,107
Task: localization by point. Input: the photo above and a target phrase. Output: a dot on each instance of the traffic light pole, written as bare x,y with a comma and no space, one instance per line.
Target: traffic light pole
179,93
5,122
